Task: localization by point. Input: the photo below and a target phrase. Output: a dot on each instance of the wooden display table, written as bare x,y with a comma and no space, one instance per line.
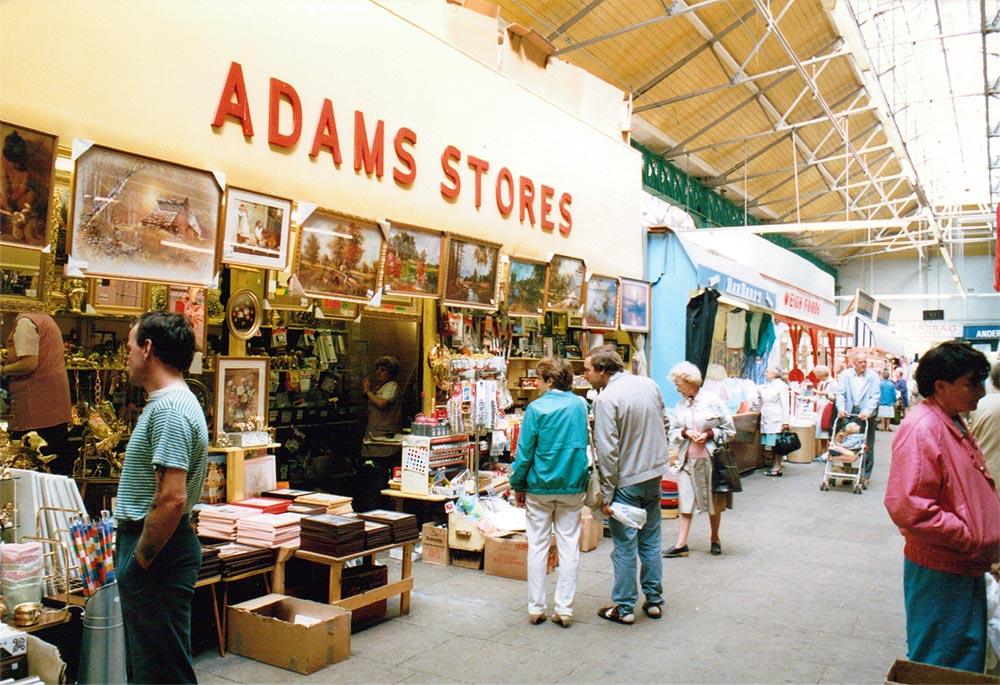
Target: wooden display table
210,583
401,587
399,498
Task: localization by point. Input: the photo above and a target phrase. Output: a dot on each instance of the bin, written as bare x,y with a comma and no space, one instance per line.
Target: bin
102,653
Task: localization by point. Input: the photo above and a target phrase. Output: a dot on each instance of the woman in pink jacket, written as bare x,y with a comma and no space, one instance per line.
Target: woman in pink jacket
940,494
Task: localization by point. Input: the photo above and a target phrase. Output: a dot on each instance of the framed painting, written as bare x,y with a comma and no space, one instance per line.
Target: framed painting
189,301
132,215
26,178
240,394
115,296
601,310
244,314
526,287
635,305
471,274
412,261
339,256
564,290
257,229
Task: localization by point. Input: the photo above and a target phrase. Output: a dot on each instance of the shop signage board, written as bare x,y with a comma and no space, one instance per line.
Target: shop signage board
980,333
737,288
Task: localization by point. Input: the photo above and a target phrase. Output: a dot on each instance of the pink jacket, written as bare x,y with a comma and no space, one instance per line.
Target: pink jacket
940,495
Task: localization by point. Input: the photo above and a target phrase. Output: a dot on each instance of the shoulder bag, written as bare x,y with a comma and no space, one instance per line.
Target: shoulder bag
725,472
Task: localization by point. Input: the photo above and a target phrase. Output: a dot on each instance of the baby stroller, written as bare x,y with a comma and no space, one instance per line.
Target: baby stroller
847,468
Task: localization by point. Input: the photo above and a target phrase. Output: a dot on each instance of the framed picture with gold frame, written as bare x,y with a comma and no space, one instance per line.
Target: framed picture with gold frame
241,398
601,309
339,256
564,288
635,305
244,314
412,261
471,273
526,287
27,178
257,229
119,297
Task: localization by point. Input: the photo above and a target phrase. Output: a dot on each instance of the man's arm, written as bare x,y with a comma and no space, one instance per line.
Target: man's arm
606,453
164,514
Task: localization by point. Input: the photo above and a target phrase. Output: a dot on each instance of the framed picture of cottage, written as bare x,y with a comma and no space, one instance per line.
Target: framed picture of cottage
339,256
135,216
601,310
564,291
257,229
635,305
526,287
26,173
471,274
412,261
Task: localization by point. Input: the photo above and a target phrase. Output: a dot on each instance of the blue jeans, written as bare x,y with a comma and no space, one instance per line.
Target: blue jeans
945,618
644,543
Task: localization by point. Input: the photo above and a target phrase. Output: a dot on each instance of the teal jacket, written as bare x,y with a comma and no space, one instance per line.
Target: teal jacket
552,449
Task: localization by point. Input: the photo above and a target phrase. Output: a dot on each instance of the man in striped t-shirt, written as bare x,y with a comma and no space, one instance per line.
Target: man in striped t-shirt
158,553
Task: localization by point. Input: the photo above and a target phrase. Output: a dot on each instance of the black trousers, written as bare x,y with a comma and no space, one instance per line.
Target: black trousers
57,438
156,606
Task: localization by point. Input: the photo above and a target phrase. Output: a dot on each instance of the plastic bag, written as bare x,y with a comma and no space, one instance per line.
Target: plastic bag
627,515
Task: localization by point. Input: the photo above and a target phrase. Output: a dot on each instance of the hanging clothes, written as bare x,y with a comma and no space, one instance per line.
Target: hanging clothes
701,311
736,328
766,338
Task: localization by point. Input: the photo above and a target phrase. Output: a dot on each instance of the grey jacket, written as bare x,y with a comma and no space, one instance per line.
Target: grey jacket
630,437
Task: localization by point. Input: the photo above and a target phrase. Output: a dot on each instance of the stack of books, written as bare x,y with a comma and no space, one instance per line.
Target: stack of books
335,536
268,530
335,504
404,526
218,521
266,505
306,509
286,493
210,563
238,559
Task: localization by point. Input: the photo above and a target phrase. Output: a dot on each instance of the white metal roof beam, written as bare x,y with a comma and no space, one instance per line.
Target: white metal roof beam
565,26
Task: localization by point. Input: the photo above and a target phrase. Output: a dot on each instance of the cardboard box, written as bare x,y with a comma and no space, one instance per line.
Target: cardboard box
295,634
463,535
590,531
508,557
434,543
464,559
906,672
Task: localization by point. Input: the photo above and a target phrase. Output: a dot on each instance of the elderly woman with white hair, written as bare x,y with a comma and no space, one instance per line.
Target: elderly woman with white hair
773,417
701,422
826,395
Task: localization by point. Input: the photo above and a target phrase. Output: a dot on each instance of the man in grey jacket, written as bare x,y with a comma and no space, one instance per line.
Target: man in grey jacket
630,443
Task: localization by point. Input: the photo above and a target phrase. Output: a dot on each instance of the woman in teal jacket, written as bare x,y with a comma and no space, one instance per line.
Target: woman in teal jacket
550,478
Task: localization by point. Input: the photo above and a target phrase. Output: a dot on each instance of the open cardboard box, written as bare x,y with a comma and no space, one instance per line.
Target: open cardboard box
906,672
508,557
296,634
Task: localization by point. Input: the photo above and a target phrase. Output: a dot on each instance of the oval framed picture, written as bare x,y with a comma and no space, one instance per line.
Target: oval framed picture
243,315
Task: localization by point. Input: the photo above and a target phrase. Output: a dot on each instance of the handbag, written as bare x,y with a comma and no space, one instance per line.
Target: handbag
725,472
826,419
786,442
594,498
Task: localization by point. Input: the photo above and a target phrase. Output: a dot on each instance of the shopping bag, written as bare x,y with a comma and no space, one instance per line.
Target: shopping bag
826,419
594,498
725,472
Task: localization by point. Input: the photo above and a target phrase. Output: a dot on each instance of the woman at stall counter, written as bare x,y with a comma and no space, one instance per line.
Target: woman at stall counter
550,477
384,415
701,422
773,417
826,394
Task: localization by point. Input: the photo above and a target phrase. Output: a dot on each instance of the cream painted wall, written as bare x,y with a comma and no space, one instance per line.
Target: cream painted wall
146,77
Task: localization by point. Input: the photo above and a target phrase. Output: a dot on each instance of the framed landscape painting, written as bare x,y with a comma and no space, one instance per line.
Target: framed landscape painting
635,305
26,172
134,215
339,256
471,274
526,287
601,310
412,262
564,291
257,229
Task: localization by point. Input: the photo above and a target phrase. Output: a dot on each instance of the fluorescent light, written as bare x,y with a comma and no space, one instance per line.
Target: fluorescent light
333,234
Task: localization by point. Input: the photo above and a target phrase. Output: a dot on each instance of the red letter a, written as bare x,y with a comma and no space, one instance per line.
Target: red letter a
240,109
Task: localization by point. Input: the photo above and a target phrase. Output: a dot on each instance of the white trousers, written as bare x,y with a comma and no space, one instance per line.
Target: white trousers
545,513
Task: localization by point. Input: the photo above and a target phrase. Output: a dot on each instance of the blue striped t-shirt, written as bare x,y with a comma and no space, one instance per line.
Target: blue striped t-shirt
170,432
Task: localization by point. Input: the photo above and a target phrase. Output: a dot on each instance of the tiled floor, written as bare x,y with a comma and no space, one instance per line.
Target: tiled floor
808,589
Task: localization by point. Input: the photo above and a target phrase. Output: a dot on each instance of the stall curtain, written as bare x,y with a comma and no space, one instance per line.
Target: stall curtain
701,311
795,333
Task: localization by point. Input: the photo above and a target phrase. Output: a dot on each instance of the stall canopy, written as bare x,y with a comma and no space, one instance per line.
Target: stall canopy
868,334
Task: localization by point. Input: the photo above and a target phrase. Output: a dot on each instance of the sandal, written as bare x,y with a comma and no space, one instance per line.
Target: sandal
613,613
653,610
535,619
776,474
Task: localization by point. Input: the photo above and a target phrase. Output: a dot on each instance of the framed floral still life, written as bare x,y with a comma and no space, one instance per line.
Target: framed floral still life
471,274
601,310
412,262
240,394
339,256
526,287
243,314
26,174
635,305
564,291
132,215
257,229
189,301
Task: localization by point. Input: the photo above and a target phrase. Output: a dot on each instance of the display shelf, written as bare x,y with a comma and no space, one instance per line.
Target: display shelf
235,475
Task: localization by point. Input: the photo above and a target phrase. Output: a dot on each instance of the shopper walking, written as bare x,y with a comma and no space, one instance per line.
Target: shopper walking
773,417
701,423
550,477
986,425
902,393
942,497
858,395
886,401
826,396
158,554
630,442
